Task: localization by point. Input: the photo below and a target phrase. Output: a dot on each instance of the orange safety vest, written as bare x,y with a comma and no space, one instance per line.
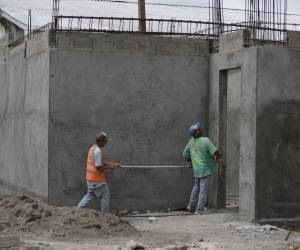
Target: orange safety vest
92,173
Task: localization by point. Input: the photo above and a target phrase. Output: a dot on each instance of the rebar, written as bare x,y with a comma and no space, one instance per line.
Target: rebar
169,27
271,15
55,11
216,16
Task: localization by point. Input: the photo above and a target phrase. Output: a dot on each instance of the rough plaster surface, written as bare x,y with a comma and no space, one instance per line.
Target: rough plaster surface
143,91
233,132
24,99
245,59
278,133
269,131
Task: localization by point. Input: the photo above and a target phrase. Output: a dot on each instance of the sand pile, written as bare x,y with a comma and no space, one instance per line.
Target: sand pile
22,214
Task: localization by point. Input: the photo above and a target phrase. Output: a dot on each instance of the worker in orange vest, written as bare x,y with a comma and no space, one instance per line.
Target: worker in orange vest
96,170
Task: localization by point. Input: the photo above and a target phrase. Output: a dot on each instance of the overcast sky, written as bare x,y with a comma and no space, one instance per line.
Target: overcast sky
293,5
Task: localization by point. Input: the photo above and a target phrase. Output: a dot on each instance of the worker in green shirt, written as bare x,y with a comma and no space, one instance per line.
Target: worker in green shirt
201,153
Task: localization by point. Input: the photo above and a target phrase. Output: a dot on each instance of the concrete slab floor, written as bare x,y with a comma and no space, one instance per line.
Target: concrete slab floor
221,230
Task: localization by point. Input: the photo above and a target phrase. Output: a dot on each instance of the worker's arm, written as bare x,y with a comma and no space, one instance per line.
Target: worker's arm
102,164
111,163
187,155
214,152
110,166
107,167
187,152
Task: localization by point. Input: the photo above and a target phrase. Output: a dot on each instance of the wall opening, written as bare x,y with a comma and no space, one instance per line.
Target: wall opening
229,137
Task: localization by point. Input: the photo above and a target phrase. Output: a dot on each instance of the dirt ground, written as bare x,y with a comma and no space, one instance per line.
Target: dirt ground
30,218
85,229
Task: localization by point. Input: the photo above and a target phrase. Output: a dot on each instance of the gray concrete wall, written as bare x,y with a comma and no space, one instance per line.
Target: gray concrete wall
269,131
278,133
151,188
24,99
144,91
15,33
3,48
234,79
246,60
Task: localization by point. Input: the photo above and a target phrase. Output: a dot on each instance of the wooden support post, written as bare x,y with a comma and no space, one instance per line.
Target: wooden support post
142,16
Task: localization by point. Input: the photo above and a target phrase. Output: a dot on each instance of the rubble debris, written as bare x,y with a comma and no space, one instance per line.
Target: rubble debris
9,241
133,245
122,212
188,246
288,235
24,215
152,218
255,227
269,227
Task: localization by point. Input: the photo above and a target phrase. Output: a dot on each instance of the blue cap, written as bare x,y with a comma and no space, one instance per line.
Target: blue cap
194,127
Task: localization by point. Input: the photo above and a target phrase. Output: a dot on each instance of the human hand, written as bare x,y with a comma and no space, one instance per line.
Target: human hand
220,161
117,165
189,164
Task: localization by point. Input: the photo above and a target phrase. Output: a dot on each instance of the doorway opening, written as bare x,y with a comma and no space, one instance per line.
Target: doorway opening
229,138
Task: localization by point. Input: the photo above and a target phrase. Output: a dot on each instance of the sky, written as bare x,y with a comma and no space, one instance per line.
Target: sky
293,5
42,10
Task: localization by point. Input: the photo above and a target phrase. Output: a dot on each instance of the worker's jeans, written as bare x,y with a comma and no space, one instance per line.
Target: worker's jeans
98,190
199,193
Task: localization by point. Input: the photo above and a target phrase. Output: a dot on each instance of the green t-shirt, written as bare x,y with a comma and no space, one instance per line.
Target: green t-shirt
201,151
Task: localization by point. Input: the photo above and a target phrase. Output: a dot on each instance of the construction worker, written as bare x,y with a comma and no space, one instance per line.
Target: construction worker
202,155
96,170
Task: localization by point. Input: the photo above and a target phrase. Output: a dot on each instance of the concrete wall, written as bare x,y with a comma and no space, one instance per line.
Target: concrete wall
233,105
151,188
13,34
278,133
24,99
269,128
2,32
246,60
144,91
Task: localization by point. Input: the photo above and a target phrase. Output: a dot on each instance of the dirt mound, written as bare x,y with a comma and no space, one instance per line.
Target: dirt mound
28,216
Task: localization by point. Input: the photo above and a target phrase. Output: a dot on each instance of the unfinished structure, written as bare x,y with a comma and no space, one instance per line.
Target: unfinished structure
65,81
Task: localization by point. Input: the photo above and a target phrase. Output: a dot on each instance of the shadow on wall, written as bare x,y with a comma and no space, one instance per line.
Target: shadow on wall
278,160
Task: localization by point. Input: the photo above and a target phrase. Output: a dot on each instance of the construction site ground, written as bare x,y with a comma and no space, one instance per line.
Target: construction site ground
39,226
